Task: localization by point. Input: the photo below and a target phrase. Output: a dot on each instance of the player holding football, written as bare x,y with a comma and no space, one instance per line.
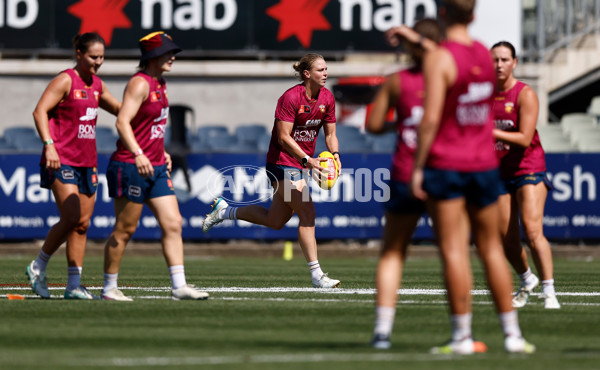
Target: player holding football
523,173
456,169
301,111
139,170
65,118
403,90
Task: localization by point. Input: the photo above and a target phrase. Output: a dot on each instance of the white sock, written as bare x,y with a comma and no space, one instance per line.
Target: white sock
110,282
548,287
510,323
41,262
461,326
231,215
315,270
228,213
74,280
177,276
384,320
524,276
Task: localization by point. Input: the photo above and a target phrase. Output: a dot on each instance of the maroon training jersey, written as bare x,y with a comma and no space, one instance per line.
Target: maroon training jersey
464,141
409,111
148,125
72,123
515,160
308,115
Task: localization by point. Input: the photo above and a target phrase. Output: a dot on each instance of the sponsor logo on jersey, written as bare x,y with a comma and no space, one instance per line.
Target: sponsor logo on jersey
94,179
322,108
477,92
79,94
97,95
170,184
305,135
509,107
155,96
86,132
90,114
164,113
304,109
134,191
157,132
67,174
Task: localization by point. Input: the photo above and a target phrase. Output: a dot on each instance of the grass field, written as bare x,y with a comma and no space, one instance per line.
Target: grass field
262,314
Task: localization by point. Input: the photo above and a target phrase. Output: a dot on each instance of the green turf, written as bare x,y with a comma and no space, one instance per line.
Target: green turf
287,330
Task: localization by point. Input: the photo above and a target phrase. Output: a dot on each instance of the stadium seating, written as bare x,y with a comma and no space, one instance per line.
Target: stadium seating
106,139
384,143
589,144
250,133
594,108
574,121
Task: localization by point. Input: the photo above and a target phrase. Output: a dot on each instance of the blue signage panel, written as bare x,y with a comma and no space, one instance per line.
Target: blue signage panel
351,209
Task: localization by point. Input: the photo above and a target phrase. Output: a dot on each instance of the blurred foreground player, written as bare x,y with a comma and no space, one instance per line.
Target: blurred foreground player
456,169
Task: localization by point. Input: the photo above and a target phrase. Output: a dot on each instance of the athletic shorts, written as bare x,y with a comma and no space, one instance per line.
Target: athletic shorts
124,180
402,201
277,172
512,184
478,188
86,178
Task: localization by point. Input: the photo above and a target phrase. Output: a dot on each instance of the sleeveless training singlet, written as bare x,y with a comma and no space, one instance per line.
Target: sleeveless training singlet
515,160
464,141
72,123
308,115
148,125
409,111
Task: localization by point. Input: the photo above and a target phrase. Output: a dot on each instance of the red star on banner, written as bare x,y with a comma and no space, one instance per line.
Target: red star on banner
299,18
101,16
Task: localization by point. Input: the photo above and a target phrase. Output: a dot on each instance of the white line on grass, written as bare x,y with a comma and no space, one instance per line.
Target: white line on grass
258,359
476,292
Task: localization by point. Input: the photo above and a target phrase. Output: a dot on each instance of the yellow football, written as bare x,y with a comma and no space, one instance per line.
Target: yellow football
327,180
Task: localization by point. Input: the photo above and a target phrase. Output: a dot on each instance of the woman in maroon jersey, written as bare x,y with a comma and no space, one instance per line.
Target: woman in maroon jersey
403,90
456,170
301,111
65,118
139,170
524,180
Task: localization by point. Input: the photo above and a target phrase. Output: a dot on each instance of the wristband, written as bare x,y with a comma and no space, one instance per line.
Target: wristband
138,152
48,142
334,153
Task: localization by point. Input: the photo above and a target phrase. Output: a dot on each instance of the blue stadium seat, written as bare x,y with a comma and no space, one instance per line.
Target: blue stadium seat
222,142
28,144
385,143
15,134
250,133
263,142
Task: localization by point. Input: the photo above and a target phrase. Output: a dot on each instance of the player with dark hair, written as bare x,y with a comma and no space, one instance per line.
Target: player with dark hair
139,170
403,90
456,169
523,174
301,111
65,118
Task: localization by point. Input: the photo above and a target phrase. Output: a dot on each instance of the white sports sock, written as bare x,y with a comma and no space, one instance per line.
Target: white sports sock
461,326
110,282
524,276
315,270
548,287
74,280
510,323
41,262
177,276
231,215
384,320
